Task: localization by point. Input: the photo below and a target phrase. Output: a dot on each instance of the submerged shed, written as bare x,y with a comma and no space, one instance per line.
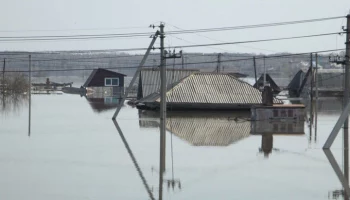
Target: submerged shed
102,82
207,91
149,79
260,83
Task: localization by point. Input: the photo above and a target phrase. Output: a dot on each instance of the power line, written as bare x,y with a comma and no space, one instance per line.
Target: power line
255,26
147,34
209,38
194,63
262,40
82,29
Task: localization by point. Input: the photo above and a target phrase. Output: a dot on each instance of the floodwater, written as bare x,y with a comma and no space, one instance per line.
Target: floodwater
74,151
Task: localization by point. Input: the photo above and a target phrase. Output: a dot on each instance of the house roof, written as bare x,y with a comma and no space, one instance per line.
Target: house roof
93,73
150,78
213,88
273,84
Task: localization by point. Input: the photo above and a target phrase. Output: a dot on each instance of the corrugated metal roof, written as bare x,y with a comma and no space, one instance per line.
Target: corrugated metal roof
212,88
150,78
218,131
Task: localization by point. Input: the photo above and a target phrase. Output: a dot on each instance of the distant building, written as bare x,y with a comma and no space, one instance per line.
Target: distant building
102,83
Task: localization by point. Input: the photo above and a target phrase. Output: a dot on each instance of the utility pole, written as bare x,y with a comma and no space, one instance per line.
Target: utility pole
316,102
256,78
162,110
311,92
138,70
264,74
3,76
182,59
30,94
3,69
218,67
346,98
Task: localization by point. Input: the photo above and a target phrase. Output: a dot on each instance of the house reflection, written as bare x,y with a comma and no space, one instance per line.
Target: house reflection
202,128
100,103
269,128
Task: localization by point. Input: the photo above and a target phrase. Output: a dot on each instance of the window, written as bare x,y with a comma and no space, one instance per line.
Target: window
111,100
111,81
283,113
275,113
290,113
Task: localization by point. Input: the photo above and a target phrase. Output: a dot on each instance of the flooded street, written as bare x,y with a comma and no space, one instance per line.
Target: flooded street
74,151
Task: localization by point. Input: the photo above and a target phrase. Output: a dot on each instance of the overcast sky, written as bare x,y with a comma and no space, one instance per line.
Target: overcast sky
59,17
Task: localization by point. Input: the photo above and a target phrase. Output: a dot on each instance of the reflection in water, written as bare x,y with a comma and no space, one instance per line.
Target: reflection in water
102,104
202,128
12,103
268,128
138,169
343,180
198,128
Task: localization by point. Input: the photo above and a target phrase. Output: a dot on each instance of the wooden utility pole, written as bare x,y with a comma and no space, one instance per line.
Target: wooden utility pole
137,72
218,67
182,59
30,94
256,78
311,92
346,97
162,110
3,70
316,94
3,76
264,74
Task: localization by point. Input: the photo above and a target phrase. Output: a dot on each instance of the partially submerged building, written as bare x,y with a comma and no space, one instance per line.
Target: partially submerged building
104,83
330,82
149,79
260,84
207,91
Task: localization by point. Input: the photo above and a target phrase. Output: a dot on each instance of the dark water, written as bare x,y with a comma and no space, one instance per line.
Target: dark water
76,152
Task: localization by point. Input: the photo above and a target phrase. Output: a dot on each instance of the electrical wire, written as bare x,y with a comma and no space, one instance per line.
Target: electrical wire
216,40
147,34
193,63
255,26
261,40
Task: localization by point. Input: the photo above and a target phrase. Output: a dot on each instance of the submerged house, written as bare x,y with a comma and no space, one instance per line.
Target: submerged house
207,91
149,79
260,84
103,83
330,82
295,84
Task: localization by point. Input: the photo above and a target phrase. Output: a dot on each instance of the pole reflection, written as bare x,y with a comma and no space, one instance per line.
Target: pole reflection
343,180
138,169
